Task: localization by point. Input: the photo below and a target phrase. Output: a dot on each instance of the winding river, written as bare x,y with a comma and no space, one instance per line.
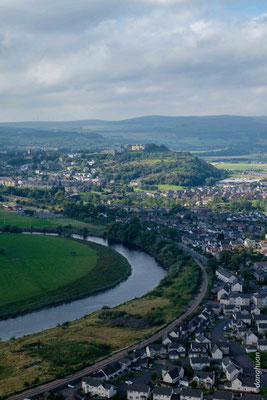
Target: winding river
146,274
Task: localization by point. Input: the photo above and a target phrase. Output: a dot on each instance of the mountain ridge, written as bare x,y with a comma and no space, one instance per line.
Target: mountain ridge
243,134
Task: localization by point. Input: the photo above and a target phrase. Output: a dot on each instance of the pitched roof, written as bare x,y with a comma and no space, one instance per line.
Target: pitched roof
241,295
175,372
204,374
96,382
166,391
215,348
248,381
231,368
138,388
191,392
251,397
260,317
175,346
225,273
201,338
111,369
221,395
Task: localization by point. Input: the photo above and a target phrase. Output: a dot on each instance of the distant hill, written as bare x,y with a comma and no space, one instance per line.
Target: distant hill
21,137
237,134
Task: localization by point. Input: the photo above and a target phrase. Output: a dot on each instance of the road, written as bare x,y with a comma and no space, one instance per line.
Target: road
60,383
217,332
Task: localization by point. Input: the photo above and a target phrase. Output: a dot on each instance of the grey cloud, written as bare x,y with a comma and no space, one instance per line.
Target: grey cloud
114,59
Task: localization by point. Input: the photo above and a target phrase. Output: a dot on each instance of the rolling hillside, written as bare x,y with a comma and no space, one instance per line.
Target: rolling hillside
228,133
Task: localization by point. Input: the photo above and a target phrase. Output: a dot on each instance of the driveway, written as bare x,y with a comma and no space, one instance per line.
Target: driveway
141,379
217,332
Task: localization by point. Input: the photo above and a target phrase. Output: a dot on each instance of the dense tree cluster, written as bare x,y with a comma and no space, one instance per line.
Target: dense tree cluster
166,168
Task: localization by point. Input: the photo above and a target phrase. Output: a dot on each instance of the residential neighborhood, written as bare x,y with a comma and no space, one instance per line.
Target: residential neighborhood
209,357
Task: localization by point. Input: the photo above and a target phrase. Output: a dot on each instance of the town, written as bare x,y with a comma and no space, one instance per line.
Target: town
218,352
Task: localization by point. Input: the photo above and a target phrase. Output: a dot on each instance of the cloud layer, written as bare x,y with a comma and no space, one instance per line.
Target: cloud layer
112,59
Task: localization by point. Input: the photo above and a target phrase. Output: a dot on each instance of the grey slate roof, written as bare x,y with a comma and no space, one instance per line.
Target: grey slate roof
138,388
222,395
204,374
166,391
191,392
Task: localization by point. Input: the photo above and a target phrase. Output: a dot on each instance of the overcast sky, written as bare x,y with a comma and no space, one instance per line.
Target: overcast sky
114,59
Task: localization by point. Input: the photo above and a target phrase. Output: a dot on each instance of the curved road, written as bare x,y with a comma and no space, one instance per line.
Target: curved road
60,383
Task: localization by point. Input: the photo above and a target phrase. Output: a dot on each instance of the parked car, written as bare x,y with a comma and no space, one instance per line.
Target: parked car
71,386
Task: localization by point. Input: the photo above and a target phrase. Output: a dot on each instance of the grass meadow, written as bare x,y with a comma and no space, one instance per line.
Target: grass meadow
37,271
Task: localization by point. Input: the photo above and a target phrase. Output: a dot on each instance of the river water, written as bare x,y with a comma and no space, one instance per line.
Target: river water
146,274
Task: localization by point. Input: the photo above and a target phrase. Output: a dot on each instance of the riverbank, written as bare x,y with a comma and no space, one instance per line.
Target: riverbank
160,306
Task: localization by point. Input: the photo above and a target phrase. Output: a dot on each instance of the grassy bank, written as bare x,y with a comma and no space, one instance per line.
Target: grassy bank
38,271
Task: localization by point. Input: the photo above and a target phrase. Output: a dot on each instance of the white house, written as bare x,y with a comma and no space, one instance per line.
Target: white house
167,339
250,339
138,392
171,374
179,348
237,286
260,299
223,290
156,350
216,352
240,299
96,386
231,371
204,379
243,383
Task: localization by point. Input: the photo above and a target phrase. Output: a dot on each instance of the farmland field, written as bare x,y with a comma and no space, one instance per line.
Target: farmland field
12,218
241,166
37,271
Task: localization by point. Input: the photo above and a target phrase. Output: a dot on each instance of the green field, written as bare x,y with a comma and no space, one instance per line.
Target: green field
36,271
241,166
170,187
12,218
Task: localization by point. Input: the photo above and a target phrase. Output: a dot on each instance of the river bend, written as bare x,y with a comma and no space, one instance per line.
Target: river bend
146,274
